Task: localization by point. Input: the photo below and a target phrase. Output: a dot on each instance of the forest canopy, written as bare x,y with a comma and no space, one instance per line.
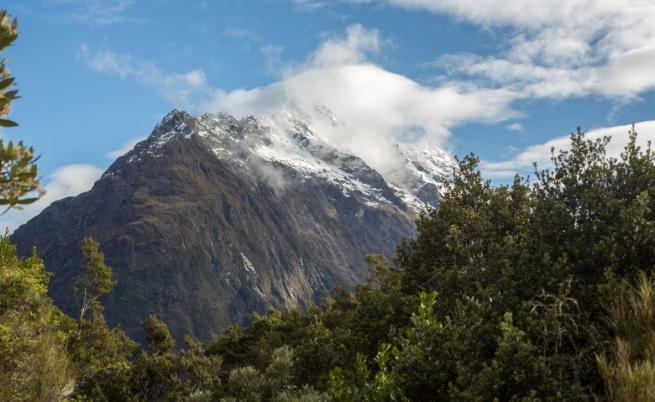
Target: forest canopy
531,291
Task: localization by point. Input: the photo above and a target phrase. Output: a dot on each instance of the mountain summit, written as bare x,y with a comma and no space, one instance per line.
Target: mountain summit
213,217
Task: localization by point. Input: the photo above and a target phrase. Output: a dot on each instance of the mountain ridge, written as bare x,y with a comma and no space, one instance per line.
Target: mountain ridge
211,218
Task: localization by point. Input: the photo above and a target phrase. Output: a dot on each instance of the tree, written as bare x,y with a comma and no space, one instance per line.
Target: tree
95,279
34,365
159,337
159,374
102,354
19,183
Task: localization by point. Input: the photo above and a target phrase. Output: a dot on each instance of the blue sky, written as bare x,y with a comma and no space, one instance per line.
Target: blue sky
503,79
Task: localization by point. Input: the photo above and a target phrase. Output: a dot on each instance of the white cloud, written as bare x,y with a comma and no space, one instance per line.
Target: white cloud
517,127
354,48
125,148
558,48
523,161
379,106
66,181
181,89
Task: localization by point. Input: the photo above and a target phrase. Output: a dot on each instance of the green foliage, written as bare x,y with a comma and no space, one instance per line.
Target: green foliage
246,384
19,184
306,394
274,383
18,174
363,386
159,338
95,279
526,292
279,373
515,373
102,354
200,372
33,332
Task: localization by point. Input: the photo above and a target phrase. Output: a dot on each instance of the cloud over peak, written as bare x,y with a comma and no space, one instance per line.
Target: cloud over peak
380,107
355,47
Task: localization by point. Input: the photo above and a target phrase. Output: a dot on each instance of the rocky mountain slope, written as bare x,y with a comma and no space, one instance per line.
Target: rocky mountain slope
211,218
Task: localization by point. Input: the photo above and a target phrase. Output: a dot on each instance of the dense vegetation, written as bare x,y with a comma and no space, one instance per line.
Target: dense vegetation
533,291
528,292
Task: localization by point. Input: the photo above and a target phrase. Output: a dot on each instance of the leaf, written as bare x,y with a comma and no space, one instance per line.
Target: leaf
7,123
27,200
6,83
4,42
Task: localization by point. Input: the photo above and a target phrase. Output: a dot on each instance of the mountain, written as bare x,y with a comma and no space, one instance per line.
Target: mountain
211,218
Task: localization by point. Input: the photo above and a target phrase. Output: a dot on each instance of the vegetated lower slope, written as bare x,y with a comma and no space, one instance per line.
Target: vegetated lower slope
212,218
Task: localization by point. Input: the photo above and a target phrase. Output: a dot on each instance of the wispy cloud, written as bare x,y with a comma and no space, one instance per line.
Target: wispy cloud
316,5
557,49
273,57
181,89
242,33
516,127
99,12
272,53
309,5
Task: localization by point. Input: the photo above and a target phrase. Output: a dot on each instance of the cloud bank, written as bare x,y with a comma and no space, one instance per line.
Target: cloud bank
557,48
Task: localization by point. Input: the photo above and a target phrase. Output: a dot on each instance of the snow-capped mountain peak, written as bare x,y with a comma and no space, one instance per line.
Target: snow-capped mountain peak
288,146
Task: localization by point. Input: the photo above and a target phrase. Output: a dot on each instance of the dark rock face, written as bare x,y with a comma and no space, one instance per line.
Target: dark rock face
202,242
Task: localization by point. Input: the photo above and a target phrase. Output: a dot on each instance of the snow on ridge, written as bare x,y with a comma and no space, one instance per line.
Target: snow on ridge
284,139
427,165
290,139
